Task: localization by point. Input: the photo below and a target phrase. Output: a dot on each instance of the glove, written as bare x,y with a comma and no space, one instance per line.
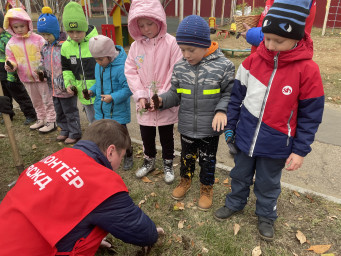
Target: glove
5,106
229,135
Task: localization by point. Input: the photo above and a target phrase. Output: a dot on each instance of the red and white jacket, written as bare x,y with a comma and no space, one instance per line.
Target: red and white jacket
277,102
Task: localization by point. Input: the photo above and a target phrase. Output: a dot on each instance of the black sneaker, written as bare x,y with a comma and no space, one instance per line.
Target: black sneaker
30,120
224,213
266,229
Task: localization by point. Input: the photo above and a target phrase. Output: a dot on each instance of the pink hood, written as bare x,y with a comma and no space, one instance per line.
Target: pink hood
20,14
146,9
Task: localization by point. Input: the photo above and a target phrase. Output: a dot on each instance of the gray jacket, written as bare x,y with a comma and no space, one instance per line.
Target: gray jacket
201,91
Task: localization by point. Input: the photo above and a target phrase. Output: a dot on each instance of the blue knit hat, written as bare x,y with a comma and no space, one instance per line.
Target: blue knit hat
286,18
194,31
48,23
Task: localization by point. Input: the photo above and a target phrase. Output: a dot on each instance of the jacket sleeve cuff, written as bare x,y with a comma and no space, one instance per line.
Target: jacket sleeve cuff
254,36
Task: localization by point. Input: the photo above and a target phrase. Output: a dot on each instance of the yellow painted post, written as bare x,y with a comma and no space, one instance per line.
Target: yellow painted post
116,18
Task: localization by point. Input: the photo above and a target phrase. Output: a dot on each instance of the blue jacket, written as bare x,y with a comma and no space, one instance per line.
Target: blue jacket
117,215
111,80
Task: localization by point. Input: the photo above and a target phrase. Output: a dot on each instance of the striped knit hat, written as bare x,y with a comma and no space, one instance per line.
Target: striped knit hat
286,18
194,31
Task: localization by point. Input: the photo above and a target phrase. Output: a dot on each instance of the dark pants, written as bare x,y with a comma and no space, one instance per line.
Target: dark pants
148,134
68,116
207,150
17,91
129,151
267,187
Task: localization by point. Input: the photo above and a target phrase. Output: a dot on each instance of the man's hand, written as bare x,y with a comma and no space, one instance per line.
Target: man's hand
247,27
106,98
294,162
219,121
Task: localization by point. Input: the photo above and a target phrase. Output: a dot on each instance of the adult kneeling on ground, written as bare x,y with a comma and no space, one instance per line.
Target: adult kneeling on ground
70,200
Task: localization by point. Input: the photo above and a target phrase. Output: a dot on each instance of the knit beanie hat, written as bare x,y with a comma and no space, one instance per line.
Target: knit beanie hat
102,46
194,31
286,18
1,20
48,23
74,18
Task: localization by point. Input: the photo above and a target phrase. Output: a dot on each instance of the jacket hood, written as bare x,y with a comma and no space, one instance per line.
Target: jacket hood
17,13
121,57
93,151
146,9
303,51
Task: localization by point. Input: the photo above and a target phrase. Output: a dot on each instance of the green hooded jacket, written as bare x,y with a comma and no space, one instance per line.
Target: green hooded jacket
79,65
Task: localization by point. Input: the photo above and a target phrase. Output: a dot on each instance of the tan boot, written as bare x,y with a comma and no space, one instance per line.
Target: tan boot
180,191
206,197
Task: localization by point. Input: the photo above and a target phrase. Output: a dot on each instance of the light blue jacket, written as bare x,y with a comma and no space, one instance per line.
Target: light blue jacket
111,80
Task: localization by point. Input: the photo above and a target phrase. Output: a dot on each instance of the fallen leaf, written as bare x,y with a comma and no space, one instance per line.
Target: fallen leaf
256,251
226,181
295,254
146,180
216,180
177,238
333,217
286,224
200,223
139,152
34,146
189,205
204,250
179,206
236,228
301,237
328,254
192,243
141,202
181,224
321,248
310,198
297,194
2,135
157,172
175,165
157,206
152,194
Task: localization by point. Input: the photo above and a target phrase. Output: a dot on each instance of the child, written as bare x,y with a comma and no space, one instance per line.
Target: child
77,62
111,87
65,103
277,115
148,70
23,46
201,85
11,85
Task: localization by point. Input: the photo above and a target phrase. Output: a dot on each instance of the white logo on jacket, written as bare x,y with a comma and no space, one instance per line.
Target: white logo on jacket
287,90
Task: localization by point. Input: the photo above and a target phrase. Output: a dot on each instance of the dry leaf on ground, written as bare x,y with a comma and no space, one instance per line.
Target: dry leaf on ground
181,224
301,237
226,181
256,251
34,146
204,250
297,194
157,206
236,228
153,194
179,206
141,202
146,179
216,180
321,248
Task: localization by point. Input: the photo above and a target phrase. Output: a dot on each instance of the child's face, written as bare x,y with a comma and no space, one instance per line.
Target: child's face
20,28
103,61
148,28
48,37
192,54
277,43
77,36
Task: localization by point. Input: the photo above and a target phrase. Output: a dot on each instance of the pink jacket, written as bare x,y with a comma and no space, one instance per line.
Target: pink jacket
23,51
151,60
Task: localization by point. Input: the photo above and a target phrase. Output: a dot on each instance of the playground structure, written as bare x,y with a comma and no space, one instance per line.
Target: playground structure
332,15
117,31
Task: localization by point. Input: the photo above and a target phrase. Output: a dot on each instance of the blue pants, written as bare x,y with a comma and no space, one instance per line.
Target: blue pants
267,187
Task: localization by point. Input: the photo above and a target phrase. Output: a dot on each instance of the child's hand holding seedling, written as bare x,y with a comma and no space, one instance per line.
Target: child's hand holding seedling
106,98
9,66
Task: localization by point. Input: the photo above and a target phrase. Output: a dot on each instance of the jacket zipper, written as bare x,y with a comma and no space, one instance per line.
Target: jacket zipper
51,58
28,61
255,136
195,101
289,128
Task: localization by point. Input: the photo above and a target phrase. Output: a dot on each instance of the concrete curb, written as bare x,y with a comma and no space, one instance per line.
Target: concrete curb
286,185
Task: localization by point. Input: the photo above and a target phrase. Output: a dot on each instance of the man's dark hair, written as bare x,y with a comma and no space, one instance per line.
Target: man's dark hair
107,132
